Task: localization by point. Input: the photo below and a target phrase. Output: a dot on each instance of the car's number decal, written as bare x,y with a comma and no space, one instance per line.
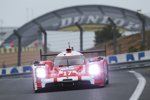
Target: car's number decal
67,73
64,73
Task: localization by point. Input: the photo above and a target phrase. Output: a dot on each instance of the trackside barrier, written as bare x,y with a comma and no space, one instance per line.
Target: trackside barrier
130,65
129,60
15,50
15,70
121,61
129,57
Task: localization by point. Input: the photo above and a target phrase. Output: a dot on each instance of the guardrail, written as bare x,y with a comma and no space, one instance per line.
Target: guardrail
26,71
129,57
129,65
15,70
122,61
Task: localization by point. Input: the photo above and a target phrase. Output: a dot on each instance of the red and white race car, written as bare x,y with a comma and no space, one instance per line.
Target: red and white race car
70,68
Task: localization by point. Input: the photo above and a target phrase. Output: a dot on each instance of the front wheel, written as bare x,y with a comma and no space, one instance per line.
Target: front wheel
36,91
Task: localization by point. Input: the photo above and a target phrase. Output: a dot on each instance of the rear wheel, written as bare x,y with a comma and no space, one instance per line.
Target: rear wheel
103,84
107,82
106,75
106,78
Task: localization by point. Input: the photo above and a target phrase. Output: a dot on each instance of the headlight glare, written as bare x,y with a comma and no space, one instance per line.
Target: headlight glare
40,72
94,69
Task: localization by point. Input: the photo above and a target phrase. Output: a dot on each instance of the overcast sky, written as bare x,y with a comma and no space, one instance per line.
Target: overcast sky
18,12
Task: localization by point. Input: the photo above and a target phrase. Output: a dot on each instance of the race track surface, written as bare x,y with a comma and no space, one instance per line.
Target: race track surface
121,87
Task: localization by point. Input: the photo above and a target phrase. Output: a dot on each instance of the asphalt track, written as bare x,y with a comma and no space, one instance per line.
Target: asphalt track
121,87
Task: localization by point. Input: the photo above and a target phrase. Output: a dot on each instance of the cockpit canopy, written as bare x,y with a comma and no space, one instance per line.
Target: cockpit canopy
60,61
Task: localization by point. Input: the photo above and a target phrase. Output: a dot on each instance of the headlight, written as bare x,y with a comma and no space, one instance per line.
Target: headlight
40,72
94,69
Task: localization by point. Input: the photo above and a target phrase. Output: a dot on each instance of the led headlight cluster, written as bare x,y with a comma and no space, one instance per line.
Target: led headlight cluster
41,72
94,69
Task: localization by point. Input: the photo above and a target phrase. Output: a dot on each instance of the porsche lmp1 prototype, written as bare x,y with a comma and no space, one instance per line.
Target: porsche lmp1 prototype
70,68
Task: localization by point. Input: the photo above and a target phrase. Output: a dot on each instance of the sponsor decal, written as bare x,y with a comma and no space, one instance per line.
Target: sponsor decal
97,19
128,57
15,70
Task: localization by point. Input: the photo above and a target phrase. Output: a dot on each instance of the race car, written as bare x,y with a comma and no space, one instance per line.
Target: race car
70,68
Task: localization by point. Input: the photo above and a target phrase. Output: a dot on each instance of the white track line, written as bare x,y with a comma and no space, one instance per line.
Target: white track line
140,87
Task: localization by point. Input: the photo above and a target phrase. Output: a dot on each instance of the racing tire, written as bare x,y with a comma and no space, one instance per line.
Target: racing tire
36,91
104,80
107,82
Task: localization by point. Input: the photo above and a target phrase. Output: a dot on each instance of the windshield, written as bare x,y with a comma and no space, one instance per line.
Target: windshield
69,60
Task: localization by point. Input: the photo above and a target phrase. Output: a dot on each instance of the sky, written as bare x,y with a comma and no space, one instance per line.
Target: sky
58,41
16,13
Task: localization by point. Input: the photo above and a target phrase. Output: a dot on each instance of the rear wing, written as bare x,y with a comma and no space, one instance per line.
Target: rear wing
94,51
45,55
86,53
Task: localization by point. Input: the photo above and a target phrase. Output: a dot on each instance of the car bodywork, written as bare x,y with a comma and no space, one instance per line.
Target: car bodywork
70,68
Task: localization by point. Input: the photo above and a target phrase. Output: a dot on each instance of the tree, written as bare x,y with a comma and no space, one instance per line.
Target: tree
105,34
132,49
